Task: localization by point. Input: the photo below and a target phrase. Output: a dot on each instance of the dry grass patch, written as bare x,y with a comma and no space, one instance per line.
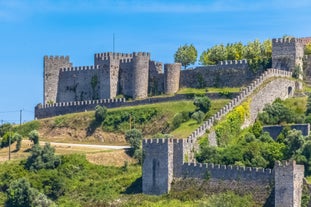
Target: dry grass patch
110,158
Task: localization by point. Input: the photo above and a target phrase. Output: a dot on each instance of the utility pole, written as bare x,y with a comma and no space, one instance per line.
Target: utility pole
113,42
10,134
20,116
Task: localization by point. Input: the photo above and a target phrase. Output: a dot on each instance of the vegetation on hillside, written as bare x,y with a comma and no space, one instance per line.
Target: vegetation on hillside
254,148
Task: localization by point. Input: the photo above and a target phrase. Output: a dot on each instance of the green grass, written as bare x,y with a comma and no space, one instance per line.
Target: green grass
188,127
207,90
297,104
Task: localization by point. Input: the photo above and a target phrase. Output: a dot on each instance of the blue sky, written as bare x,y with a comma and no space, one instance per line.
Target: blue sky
32,29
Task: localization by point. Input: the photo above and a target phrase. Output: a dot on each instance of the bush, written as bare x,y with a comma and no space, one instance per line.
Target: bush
100,113
34,136
18,138
198,116
21,194
134,137
177,120
42,158
202,103
4,128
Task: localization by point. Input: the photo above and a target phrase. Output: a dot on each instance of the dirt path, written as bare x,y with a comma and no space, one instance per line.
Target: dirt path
86,145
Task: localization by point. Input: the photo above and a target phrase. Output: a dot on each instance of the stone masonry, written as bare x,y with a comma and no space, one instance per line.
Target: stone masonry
166,159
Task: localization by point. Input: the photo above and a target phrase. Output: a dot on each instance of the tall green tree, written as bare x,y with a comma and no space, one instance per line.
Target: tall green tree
186,55
213,55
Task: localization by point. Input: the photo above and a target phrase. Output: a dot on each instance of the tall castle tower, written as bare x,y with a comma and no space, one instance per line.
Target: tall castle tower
52,67
288,53
140,74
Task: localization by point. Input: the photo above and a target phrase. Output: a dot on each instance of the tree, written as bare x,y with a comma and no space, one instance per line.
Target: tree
21,194
4,128
202,103
198,116
213,55
34,136
100,113
42,158
18,138
134,137
186,55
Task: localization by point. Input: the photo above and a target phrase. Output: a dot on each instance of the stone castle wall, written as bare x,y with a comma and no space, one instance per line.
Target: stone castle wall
287,53
51,66
275,130
61,108
75,84
288,184
225,74
180,152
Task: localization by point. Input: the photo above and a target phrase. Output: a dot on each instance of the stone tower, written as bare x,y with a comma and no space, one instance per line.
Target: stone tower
109,63
157,166
288,184
52,67
140,75
288,53
171,78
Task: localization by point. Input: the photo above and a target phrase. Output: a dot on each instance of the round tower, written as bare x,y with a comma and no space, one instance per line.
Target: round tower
171,78
140,75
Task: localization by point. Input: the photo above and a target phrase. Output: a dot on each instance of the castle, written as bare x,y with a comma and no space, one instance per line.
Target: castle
135,75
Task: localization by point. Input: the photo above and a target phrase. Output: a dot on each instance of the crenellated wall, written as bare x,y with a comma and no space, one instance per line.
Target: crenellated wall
288,184
51,66
225,74
61,108
75,84
288,53
178,154
275,130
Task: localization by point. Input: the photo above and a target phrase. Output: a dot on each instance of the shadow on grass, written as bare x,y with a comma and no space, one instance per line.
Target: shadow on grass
135,187
92,127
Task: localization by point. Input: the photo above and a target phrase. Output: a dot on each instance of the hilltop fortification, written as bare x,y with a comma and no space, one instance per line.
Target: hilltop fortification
136,76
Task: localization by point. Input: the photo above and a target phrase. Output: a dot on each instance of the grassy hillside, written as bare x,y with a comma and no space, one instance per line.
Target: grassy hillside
151,119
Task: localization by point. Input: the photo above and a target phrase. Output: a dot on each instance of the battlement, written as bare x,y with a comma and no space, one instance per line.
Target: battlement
233,62
46,58
285,163
291,40
285,40
112,55
126,57
81,103
211,166
143,54
207,125
80,68
156,141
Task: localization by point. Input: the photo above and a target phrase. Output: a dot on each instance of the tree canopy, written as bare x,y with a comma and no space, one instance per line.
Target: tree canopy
258,54
186,55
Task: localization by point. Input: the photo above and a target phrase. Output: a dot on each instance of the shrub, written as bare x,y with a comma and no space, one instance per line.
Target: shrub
177,120
100,113
198,116
202,103
42,158
134,137
34,136
4,128
18,138
21,194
